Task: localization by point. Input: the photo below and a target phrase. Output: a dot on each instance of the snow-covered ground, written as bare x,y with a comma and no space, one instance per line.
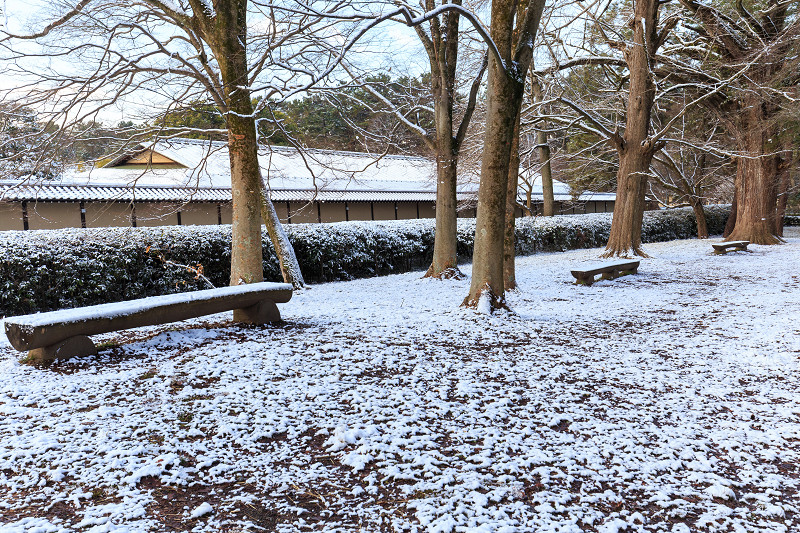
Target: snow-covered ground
664,401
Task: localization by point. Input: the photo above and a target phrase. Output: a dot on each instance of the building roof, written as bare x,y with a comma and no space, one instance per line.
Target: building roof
199,171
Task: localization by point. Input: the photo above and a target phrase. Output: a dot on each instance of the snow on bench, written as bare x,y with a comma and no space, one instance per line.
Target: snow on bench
725,247
65,333
586,275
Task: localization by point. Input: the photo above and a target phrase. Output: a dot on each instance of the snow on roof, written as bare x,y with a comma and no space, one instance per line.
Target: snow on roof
324,175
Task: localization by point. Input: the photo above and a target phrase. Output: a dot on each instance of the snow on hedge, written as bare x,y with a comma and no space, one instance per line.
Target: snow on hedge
55,269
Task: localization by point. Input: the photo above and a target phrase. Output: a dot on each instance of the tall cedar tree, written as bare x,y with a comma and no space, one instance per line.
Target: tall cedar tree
635,146
762,48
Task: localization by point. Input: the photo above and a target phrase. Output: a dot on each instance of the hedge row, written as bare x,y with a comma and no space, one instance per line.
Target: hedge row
45,270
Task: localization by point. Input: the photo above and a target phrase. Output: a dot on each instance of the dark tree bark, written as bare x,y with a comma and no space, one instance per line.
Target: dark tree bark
548,199
441,45
756,175
700,217
505,92
636,149
509,239
731,222
786,164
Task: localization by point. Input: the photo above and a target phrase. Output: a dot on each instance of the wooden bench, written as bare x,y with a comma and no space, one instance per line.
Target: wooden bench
586,275
65,333
725,247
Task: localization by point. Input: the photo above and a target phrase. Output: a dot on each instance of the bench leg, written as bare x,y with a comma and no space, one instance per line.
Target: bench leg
587,281
77,346
263,312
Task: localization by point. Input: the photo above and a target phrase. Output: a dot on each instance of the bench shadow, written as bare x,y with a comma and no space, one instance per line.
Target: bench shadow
120,346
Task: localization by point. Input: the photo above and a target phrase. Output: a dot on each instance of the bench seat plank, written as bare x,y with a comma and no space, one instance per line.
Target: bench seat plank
599,268
45,329
585,275
726,246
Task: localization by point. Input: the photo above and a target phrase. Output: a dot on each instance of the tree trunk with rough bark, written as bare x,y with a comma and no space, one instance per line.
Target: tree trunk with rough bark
487,257
228,38
636,149
700,217
445,258
441,46
756,175
731,222
548,199
246,258
693,190
505,92
509,239
783,200
226,33
784,180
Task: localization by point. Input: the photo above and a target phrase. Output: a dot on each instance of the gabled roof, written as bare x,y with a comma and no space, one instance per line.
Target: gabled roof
140,156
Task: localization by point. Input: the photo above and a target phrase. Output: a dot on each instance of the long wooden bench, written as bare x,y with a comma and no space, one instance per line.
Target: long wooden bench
725,247
65,333
586,275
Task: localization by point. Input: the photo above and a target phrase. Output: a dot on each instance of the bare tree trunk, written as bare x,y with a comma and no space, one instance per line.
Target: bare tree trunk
695,194
227,35
635,149
442,49
505,92
228,38
246,257
755,180
784,179
731,222
700,217
625,237
445,259
290,268
548,199
487,256
509,241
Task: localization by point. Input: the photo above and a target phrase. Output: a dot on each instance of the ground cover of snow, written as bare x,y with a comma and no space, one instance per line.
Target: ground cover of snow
662,401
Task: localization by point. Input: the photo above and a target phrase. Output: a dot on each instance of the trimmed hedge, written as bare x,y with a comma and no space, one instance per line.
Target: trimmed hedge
46,270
